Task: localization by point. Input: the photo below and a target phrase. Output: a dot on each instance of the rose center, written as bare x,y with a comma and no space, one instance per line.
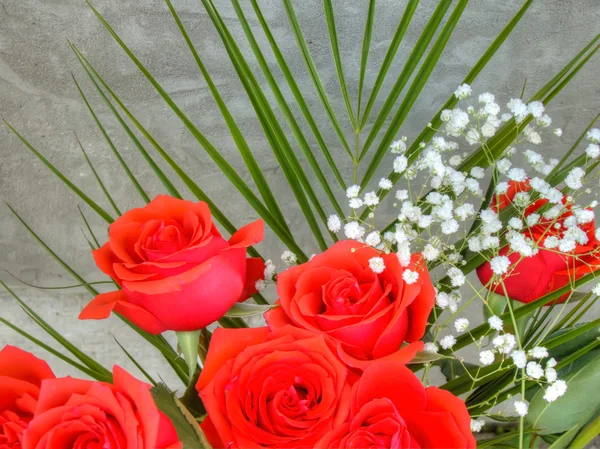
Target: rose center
11,428
341,294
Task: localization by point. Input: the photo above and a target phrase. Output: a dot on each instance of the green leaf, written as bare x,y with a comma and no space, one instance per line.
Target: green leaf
100,183
158,341
452,368
112,147
214,154
63,178
566,439
413,93
409,67
187,180
314,74
240,310
84,369
289,118
425,357
482,329
335,50
278,141
364,57
136,363
300,101
188,345
87,225
238,137
409,10
155,168
188,430
591,431
568,410
88,361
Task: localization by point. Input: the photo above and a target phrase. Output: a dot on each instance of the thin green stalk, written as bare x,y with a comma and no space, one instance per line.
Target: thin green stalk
364,57
98,179
239,139
335,50
312,70
300,101
112,147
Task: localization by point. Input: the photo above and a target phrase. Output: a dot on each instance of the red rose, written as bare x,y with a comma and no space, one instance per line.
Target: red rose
21,375
176,271
281,389
391,409
75,413
367,315
548,270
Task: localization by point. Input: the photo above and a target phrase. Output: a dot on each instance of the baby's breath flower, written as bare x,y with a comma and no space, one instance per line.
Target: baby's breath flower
355,203
555,391
447,341
503,165
473,136
464,211
354,230
517,174
353,191
574,178
558,132
289,257
504,343
477,425
334,224
260,285
377,264
593,150
430,252
536,108
269,269
373,239
520,358
461,324
457,278
534,370
398,146
463,91
371,199
442,300
596,290
477,172
486,357
544,121
539,352
521,408
551,363
501,188
551,375
385,184
593,135
410,277
400,164
500,264
495,322
430,347
449,227
402,195
515,223
518,108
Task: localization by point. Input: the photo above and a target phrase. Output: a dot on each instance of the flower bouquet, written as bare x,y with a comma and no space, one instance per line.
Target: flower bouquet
370,342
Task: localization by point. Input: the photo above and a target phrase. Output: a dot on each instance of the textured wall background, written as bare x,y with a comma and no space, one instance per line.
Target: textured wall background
38,97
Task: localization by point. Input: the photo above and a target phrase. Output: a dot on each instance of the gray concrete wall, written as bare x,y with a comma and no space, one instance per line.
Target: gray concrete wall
37,96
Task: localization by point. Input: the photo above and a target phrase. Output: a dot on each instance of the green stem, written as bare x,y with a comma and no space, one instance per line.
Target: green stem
188,344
